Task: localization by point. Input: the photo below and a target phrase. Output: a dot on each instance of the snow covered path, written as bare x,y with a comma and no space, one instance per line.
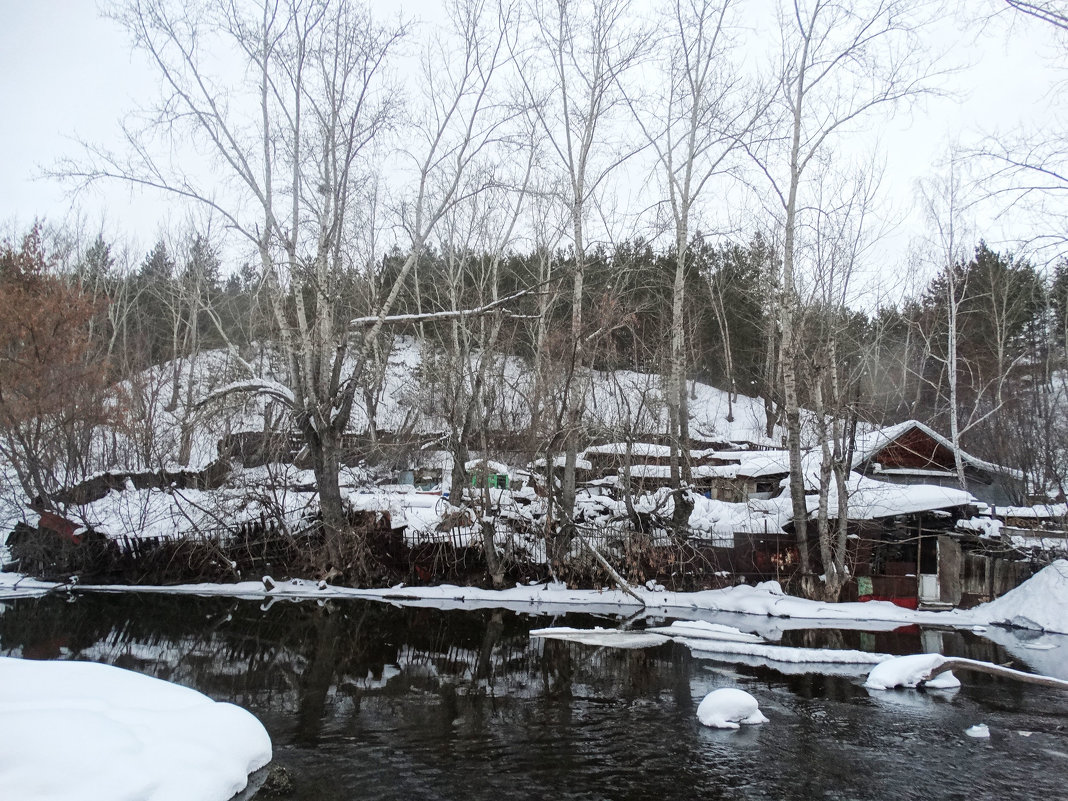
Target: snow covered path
99,733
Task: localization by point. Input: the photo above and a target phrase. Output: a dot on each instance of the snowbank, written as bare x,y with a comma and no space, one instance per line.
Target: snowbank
782,653
611,638
702,630
89,731
1040,603
710,639
16,585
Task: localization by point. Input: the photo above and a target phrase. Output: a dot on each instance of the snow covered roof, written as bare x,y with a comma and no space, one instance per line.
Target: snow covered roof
558,461
727,519
756,464
915,471
716,470
1041,511
870,499
637,449
642,450
651,471
487,464
664,471
870,443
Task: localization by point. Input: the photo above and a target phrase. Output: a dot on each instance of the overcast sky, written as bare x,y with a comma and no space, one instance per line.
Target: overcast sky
66,73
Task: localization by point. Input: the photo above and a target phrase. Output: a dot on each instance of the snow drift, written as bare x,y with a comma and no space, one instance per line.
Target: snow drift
1040,603
911,671
99,733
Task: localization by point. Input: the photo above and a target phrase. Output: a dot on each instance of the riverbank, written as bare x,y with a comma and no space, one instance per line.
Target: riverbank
1040,604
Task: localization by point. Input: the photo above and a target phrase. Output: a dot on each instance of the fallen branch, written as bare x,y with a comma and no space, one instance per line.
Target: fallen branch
997,670
256,386
618,579
427,317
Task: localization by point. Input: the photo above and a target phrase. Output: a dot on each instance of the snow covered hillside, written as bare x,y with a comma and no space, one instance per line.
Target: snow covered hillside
617,401
161,422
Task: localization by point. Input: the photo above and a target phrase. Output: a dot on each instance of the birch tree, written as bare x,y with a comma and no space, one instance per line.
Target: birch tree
840,237
699,113
840,63
944,203
572,74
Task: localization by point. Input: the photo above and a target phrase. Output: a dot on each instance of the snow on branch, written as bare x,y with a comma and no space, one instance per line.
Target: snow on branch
255,386
436,316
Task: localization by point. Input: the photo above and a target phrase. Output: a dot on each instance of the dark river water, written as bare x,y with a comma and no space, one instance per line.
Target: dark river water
368,701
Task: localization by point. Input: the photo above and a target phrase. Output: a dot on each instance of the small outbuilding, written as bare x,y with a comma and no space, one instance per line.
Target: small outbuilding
914,453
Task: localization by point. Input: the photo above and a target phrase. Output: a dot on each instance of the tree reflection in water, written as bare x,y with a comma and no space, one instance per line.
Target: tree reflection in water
319,666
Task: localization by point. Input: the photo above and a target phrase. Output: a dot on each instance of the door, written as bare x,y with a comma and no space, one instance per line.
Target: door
929,589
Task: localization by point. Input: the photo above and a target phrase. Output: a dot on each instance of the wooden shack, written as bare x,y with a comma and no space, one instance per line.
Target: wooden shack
913,453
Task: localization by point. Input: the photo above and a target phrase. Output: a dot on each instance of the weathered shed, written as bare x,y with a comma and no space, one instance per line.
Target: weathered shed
914,453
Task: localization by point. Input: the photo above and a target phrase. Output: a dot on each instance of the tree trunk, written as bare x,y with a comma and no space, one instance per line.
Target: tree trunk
788,353
951,347
793,417
575,393
676,394
343,552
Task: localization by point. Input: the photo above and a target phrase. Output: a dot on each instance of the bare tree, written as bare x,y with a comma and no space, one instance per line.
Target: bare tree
297,137
839,237
475,237
547,222
697,115
53,392
1054,13
572,76
1023,173
839,63
943,206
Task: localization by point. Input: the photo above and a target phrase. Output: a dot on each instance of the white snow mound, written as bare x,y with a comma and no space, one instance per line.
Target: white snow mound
100,733
909,671
1039,603
728,707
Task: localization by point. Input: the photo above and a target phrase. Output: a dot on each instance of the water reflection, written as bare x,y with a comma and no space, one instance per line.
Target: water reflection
363,699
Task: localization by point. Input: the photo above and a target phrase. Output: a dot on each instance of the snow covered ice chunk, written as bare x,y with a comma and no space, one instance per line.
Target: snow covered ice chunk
728,707
701,630
910,671
979,730
99,733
